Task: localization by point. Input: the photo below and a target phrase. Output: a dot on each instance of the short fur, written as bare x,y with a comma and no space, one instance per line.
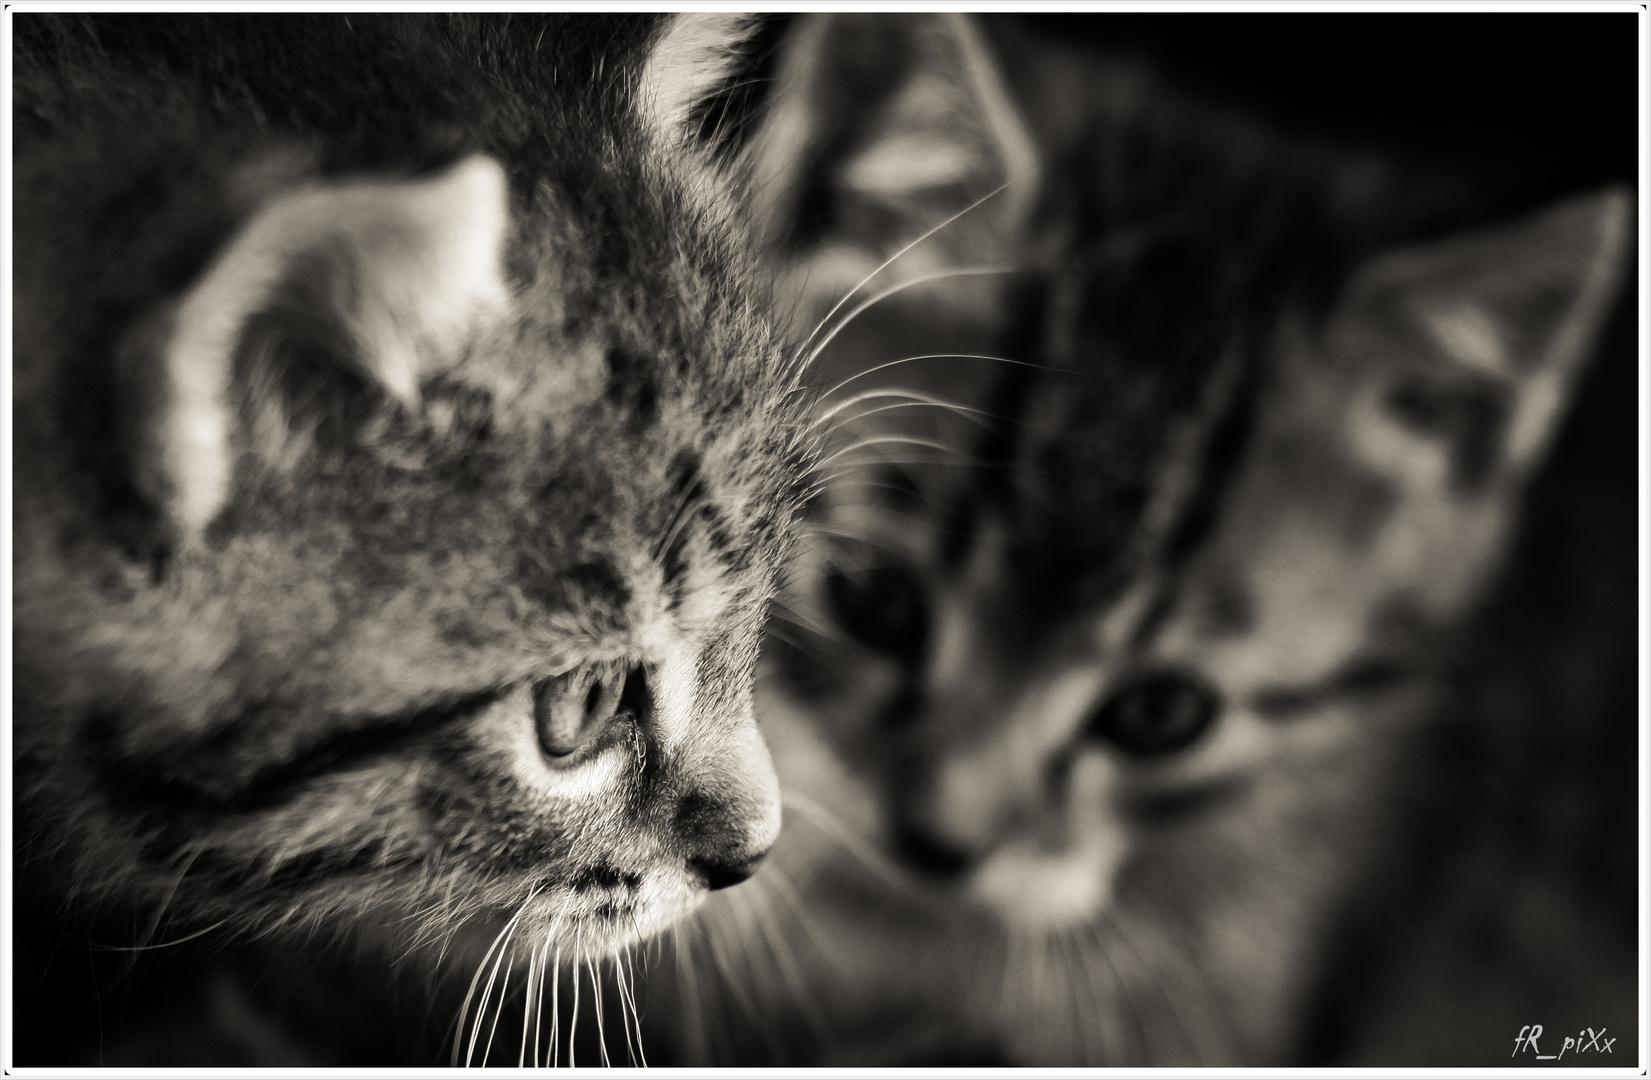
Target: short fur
385,383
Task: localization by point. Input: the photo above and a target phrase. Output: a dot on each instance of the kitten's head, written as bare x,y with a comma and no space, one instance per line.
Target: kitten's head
403,469
1097,661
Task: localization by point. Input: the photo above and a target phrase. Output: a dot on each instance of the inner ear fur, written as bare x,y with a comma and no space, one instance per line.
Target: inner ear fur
694,55
1473,344
384,277
878,128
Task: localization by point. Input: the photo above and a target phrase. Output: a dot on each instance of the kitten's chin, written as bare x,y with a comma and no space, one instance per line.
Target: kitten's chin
1032,889
601,918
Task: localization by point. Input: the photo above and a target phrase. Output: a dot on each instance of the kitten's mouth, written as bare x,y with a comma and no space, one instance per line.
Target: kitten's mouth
605,876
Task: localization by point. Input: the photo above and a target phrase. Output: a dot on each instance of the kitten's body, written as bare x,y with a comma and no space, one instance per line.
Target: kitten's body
403,465
1092,724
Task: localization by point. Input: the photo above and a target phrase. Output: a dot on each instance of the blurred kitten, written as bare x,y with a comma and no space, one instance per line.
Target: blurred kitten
1126,600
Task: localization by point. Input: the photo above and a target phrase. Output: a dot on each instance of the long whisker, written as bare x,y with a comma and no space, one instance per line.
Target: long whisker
556,1009
791,972
573,1026
591,963
893,440
784,890
743,910
829,823
167,944
527,1007
789,615
960,410
636,1013
498,1012
1126,993
906,399
464,1010
619,973
886,263
487,991
894,290
875,368
694,1025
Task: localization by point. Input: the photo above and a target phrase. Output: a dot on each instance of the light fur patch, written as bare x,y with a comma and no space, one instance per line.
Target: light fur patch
1607,220
697,53
425,260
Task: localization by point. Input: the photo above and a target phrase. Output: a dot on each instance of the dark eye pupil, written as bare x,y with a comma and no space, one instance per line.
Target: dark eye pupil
571,710
1155,714
882,608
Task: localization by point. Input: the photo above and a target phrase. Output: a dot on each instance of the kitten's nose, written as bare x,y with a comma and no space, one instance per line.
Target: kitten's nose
930,855
720,875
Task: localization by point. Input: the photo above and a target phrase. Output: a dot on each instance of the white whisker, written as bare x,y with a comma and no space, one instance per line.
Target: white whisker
891,440
527,1005
886,263
464,1010
592,966
573,1025
556,1009
497,1012
904,399
829,823
875,368
894,290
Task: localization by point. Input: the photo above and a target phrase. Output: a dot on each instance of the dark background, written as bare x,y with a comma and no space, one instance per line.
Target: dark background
1531,105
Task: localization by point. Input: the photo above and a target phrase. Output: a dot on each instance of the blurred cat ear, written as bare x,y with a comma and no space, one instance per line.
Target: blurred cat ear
1470,347
1388,463
879,128
695,54
372,282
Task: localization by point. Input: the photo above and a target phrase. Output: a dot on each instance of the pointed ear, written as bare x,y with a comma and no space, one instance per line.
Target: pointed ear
1470,347
879,128
1389,459
387,277
695,54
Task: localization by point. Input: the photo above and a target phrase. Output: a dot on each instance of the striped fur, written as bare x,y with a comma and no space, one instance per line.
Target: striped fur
371,407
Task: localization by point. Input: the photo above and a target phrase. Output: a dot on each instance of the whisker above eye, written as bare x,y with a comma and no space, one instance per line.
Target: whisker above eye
894,440
978,417
875,368
849,468
894,290
886,263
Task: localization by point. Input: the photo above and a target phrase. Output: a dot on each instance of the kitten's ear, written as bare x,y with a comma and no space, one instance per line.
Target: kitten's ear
1388,462
880,127
1446,373
1468,349
364,283
694,55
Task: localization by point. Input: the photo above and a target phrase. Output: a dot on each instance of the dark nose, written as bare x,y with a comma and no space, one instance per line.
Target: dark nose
720,875
930,855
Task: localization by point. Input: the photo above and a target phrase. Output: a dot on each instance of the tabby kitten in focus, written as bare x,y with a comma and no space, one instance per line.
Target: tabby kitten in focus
1166,468
404,465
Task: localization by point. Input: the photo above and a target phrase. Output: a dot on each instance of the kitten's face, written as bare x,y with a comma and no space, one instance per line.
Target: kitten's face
392,543
1110,718
1086,715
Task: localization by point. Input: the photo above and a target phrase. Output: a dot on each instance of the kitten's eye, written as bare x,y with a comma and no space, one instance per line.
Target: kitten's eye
572,710
1156,714
883,608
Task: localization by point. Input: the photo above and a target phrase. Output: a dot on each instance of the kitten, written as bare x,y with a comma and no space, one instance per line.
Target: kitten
1089,721
404,463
